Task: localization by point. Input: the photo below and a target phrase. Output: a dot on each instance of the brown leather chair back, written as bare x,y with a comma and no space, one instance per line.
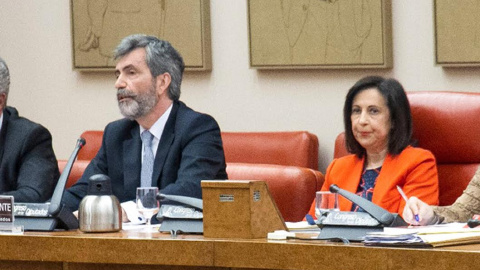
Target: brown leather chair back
93,139
292,188
296,148
447,124
77,170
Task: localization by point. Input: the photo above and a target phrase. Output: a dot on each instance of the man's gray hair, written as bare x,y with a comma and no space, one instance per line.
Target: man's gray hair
160,56
4,77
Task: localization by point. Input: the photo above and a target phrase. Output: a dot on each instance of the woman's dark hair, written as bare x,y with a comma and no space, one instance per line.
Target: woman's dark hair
400,135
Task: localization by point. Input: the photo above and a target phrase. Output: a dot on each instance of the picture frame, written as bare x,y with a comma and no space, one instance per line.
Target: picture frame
457,33
99,25
323,34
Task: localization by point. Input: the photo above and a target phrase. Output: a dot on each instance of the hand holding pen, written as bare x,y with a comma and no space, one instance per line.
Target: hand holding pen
404,196
417,212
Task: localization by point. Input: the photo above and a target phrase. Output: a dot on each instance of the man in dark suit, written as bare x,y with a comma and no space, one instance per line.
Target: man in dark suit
28,166
186,145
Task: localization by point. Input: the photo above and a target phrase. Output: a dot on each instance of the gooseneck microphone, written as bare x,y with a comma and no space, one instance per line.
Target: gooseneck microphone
51,215
55,202
354,226
380,214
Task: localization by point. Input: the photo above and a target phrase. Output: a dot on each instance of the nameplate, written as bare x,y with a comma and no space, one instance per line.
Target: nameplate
6,209
226,198
348,219
31,209
178,212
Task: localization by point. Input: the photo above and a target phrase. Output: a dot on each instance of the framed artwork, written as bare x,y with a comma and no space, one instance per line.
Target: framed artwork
320,34
457,33
99,25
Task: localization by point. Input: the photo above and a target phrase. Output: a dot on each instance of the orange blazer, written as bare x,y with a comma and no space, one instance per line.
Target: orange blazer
414,170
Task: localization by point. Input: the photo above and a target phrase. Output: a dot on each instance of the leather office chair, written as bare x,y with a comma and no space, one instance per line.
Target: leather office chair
292,188
93,140
294,148
77,170
285,160
447,124
264,151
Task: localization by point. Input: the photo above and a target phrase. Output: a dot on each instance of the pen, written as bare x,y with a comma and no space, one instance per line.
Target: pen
406,200
310,219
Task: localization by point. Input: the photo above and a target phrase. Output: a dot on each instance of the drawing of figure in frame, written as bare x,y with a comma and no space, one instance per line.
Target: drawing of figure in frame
317,31
111,20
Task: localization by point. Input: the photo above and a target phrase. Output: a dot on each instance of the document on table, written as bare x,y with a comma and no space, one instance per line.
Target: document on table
301,226
425,236
129,226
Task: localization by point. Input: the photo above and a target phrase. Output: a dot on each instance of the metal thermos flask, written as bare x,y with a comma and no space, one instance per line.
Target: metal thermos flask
100,210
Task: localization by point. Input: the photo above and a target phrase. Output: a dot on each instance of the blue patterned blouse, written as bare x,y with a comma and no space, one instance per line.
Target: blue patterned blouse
365,188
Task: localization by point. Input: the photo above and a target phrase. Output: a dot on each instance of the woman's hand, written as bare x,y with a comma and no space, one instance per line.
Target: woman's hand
416,212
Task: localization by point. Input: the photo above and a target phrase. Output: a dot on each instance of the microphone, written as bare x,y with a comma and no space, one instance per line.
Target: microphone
354,226
380,214
57,196
48,216
183,215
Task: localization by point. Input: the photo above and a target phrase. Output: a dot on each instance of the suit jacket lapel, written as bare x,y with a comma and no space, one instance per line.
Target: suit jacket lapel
164,145
132,149
351,182
385,179
3,132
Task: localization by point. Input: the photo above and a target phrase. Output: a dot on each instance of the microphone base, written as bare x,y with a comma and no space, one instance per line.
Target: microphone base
66,219
352,226
355,234
182,225
36,223
63,219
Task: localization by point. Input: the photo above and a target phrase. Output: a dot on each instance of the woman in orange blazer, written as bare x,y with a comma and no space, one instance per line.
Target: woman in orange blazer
378,133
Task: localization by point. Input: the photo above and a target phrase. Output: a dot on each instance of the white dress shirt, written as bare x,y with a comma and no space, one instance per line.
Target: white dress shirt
156,129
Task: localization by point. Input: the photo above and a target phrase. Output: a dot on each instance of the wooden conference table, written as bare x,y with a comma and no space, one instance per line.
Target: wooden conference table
74,250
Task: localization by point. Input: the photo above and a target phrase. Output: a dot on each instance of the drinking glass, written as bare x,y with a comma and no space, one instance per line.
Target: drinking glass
325,202
147,203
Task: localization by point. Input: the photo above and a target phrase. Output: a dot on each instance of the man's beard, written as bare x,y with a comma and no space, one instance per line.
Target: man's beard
138,105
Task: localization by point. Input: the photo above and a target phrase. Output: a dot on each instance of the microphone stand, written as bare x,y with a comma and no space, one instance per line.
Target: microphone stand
52,215
354,226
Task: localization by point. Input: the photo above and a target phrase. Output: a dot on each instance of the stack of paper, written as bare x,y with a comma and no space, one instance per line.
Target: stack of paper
425,236
387,239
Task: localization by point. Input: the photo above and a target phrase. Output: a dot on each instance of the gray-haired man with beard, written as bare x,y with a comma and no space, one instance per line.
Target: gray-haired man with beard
161,142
